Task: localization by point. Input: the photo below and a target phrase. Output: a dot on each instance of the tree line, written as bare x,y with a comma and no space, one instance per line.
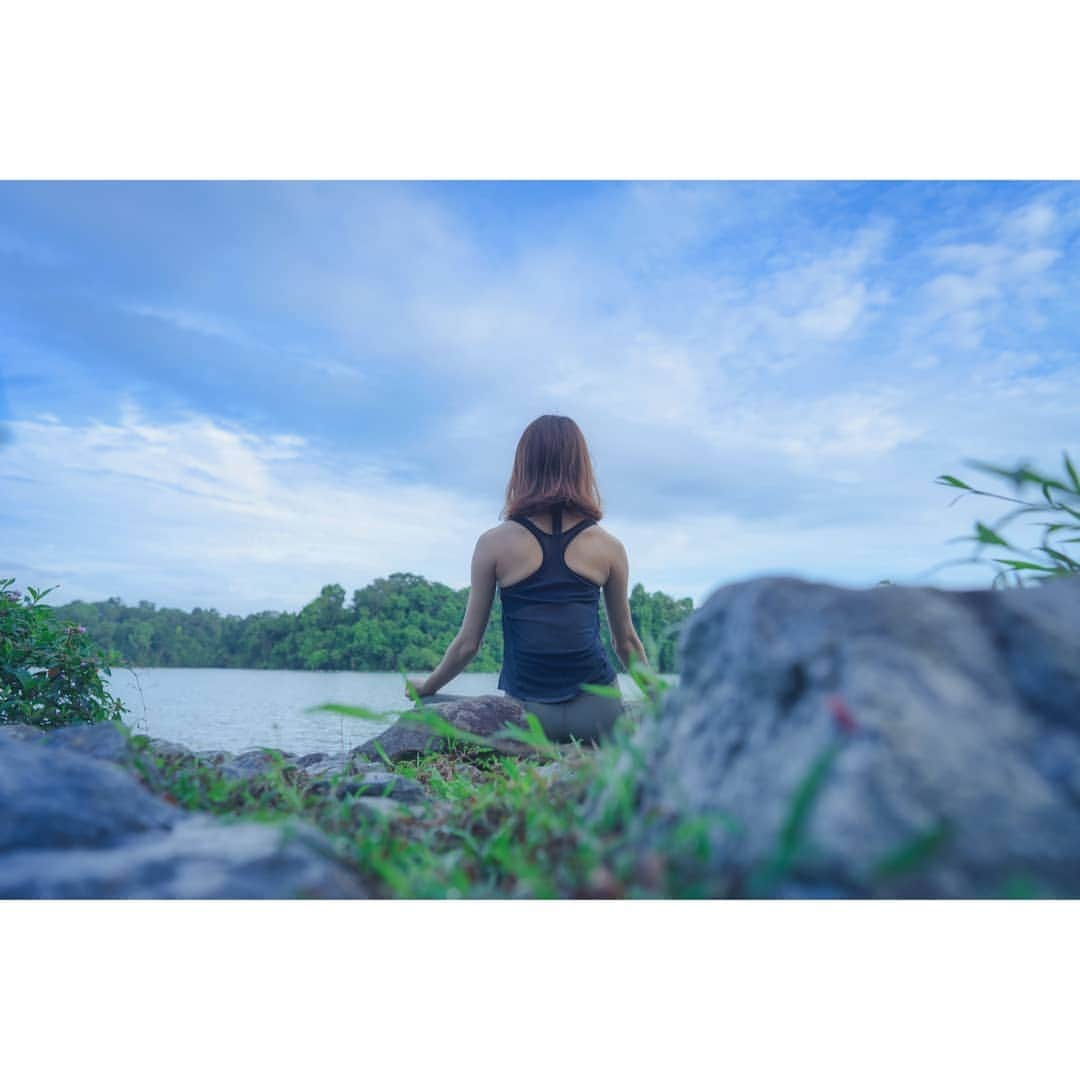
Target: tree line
398,622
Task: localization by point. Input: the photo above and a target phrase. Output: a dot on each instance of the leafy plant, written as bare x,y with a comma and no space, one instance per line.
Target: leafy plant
49,672
1058,510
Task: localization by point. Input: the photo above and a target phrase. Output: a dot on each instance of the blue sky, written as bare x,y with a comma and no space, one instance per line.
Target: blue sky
231,394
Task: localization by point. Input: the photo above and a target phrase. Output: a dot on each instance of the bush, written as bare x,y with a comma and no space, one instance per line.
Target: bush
49,672
1058,514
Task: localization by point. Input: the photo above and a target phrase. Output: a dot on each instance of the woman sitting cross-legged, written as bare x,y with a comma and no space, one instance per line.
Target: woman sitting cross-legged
549,559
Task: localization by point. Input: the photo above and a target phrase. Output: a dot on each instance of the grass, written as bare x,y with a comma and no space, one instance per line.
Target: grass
565,823
554,825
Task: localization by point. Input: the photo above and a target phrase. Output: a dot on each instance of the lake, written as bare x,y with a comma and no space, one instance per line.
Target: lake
237,709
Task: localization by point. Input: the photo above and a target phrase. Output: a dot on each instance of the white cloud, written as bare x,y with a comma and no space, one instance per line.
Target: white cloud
197,512
1030,224
192,322
983,279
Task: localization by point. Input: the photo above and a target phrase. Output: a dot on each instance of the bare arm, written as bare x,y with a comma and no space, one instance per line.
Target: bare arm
624,637
466,644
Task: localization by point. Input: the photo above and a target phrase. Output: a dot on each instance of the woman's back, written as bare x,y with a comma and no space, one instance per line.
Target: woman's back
550,608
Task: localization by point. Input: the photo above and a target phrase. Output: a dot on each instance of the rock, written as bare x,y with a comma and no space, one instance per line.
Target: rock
72,825
252,763
199,858
169,753
483,715
376,807
215,758
18,733
325,765
381,784
946,727
55,798
105,742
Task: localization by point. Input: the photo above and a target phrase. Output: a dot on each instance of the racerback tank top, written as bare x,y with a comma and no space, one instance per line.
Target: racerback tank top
551,624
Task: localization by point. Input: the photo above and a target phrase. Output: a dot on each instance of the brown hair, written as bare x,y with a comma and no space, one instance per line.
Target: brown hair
552,468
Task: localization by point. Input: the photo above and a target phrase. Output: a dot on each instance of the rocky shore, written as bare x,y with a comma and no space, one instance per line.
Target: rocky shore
85,811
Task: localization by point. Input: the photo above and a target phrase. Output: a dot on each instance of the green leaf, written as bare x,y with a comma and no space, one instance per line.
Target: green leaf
602,691
532,735
986,535
951,481
1061,557
352,710
913,854
1017,564
1073,474
383,754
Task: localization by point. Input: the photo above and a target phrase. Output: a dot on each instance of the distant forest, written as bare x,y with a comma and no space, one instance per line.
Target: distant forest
399,622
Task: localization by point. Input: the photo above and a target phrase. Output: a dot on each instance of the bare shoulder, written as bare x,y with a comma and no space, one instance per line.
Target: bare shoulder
500,537
495,535
503,529
604,536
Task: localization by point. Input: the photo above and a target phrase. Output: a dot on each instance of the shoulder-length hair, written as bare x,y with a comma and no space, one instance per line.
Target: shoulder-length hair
552,468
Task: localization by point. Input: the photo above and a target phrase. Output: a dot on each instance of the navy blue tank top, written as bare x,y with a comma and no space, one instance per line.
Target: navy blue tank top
551,624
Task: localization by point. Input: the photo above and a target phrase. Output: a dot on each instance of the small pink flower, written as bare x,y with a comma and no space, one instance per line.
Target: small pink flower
842,714
14,595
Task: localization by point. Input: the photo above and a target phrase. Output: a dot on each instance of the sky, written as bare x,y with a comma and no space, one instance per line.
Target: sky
228,395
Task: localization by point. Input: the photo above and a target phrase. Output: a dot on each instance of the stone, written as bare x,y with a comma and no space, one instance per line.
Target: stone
377,807
483,715
200,858
325,765
53,798
383,785
945,727
73,825
105,742
170,753
13,733
251,763
214,759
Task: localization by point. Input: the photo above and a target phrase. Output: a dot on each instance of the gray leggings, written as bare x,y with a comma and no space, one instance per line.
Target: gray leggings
587,717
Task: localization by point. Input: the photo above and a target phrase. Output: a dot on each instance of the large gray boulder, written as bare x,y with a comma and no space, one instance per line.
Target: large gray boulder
55,798
75,824
883,742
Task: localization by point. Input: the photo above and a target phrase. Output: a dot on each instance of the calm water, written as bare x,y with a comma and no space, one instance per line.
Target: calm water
231,709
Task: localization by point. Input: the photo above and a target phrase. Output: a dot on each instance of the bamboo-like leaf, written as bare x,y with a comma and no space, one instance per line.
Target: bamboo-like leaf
952,481
1061,557
602,691
986,535
357,711
532,734
1070,468
1018,564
